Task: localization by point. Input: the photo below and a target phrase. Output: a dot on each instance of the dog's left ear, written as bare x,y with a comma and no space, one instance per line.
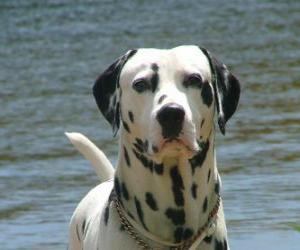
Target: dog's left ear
226,89
105,91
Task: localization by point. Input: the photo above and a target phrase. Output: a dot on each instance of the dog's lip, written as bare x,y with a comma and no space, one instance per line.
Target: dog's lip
171,140
175,141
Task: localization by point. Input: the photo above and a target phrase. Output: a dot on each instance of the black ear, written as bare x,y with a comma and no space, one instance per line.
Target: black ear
105,91
226,87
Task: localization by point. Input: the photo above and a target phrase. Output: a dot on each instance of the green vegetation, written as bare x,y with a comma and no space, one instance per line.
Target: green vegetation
294,226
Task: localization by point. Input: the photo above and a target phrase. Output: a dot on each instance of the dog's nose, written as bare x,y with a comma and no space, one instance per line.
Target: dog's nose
171,117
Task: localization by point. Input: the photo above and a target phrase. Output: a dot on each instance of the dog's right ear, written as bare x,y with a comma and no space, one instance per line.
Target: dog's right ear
106,92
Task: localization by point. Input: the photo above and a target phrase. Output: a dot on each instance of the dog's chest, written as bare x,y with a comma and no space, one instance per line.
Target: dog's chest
106,231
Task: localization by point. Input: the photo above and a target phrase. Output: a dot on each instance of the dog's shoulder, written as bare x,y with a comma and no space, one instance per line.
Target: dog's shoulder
89,208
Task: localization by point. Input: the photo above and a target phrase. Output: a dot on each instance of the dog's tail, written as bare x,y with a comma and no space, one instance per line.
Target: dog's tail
92,153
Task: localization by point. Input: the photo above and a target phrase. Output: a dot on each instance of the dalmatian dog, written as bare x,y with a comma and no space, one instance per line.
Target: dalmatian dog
165,191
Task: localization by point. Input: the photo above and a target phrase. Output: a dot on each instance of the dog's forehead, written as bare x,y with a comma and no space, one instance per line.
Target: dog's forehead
183,59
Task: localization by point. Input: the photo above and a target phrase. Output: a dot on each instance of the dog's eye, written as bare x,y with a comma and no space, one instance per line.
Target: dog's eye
140,85
193,80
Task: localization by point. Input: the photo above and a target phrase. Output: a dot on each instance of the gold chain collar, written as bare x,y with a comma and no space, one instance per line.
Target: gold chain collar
184,245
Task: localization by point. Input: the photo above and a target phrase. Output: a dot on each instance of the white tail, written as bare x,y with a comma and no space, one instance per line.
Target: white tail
92,153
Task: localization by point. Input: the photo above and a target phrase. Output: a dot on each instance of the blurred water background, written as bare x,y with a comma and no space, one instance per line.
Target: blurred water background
52,51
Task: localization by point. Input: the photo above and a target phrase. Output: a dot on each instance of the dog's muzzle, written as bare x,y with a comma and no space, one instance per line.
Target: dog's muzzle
171,117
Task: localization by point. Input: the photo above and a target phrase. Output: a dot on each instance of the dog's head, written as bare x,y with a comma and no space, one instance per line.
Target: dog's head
164,100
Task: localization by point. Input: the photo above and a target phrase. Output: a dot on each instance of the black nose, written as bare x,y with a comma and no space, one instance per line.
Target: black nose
170,117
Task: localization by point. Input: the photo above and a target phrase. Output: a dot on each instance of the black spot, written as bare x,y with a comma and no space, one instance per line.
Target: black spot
177,216
217,187
178,234
202,123
106,215
208,239
140,212
146,145
77,232
159,168
160,100
151,166
141,158
188,233
83,226
199,158
144,160
131,117
140,145
177,186
182,234
207,94
86,227
194,190
225,244
208,176
126,127
111,196
125,192
219,245
155,149
130,215
154,81
151,202
127,159
139,141
117,187
122,228
204,207
154,67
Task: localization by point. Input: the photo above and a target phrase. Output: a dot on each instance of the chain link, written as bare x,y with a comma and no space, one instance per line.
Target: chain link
143,245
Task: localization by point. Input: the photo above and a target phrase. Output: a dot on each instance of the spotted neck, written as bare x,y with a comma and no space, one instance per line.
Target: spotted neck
171,199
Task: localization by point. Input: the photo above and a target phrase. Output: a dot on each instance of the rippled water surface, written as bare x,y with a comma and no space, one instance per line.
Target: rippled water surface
52,51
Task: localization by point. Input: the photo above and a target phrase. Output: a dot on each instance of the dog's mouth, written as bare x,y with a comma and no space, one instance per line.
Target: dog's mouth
173,141
180,144
175,146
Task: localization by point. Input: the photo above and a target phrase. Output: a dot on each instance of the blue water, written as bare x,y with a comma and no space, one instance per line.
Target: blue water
52,51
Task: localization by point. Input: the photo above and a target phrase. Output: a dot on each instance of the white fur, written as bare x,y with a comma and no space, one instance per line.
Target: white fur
93,154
